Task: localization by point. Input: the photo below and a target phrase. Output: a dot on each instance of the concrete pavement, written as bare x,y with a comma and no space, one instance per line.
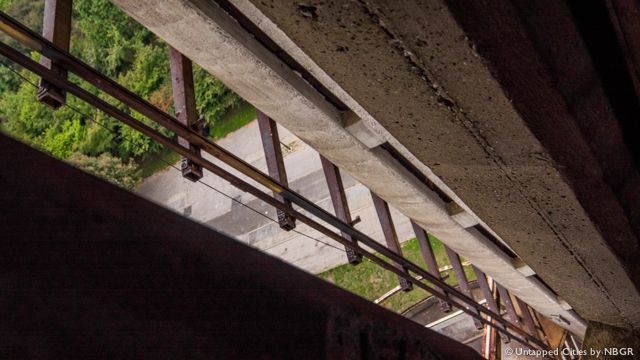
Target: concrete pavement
304,171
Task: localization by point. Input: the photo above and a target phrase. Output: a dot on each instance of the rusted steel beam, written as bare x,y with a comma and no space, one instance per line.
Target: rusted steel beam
184,102
494,346
340,205
504,335
390,236
505,298
56,27
488,295
463,283
37,43
541,330
490,344
275,164
484,287
527,318
429,259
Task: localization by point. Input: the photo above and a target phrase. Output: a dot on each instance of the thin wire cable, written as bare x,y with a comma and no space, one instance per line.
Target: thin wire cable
254,210
212,187
20,75
87,117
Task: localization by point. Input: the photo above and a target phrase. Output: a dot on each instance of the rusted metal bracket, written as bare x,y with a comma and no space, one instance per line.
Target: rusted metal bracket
430,260
390,236
184,102
463,283
528,319
340,205
56,28
506,300
275,164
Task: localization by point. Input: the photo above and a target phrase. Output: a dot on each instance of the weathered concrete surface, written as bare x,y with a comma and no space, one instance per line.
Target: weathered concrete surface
257,75
304,171
610,342
554,202
92,271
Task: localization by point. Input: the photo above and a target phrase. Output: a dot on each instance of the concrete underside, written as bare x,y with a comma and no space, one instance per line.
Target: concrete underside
609,343
410,71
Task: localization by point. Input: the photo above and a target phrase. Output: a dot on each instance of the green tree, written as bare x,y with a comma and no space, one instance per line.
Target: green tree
107,38
213,99
114,44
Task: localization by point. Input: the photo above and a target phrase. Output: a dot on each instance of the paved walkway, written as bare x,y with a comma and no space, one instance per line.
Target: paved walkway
305,176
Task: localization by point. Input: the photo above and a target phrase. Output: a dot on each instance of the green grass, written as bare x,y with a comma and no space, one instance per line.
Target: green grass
233,120
157,162
370,281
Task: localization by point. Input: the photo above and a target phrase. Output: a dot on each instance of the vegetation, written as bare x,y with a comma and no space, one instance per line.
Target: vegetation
108,167
233,120
114,44
370,281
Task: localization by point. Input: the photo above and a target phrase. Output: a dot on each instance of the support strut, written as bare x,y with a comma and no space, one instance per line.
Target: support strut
184,100
430,260
56,28
340,205
390,236
275,164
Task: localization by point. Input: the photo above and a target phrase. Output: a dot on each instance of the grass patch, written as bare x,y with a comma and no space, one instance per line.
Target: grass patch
233,120
157,162
370,281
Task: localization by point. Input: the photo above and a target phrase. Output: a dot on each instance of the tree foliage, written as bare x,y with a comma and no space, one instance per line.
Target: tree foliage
114,44
109,168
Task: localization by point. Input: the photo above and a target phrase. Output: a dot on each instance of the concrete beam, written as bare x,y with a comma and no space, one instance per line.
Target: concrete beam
237,59
361,131
461,216
524,269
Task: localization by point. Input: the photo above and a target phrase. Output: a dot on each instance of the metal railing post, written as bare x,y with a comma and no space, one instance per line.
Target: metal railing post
390,236
340,205
463,283
430,260
184,101
56,27
275,164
